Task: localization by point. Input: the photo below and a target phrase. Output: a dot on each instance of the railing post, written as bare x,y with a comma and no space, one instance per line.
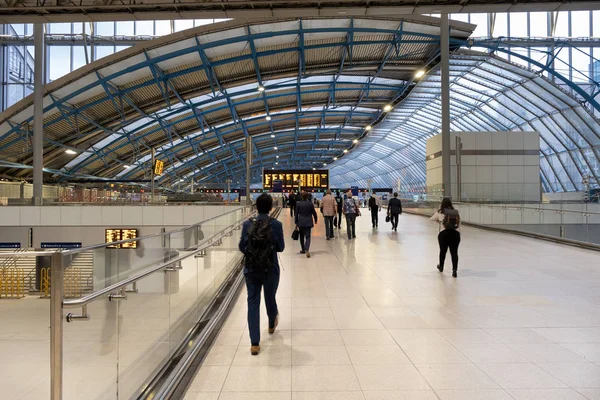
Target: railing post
56,327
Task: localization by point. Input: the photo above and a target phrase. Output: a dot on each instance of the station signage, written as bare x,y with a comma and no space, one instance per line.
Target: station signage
60,245
159,167
116,235
291,179
10,245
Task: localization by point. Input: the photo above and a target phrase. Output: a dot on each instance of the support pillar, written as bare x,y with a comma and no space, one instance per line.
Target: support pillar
445,76
153,153
38,114
248,164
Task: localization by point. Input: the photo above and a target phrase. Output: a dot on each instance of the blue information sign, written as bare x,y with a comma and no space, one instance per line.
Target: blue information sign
354,190
278,186
60,245
10,245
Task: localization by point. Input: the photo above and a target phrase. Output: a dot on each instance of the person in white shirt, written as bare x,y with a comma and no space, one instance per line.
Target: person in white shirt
449,237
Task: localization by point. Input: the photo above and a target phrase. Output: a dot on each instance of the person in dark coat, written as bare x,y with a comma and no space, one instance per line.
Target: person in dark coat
305,213
394,210
292,200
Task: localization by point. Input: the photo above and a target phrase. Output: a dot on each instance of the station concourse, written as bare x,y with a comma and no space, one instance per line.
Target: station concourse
373,319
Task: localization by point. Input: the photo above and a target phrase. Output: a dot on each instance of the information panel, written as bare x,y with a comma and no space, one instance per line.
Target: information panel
159,167
115,235
290,179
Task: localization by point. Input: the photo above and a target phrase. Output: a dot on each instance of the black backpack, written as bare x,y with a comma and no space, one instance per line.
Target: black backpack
451,219
258,257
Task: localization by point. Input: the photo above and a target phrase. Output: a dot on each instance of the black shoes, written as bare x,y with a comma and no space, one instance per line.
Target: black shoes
454,274
440,268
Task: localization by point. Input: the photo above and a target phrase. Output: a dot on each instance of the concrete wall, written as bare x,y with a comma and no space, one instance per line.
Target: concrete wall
496,166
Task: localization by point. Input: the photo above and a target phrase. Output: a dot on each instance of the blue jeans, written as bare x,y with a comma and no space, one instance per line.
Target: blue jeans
351,225
254,285
329,226
305,238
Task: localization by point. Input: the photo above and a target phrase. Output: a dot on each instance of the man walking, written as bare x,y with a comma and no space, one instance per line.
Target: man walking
293,199
261,240
394,210
329,207
374,207
339,202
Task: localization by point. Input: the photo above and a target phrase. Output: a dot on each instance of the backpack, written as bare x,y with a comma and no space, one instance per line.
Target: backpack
258,257
451,219
372,202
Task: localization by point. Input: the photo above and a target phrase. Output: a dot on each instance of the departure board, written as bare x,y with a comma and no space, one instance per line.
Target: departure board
290,179
159,167
116,235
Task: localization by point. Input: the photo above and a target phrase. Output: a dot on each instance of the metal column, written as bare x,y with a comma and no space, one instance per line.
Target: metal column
152,152
458,168
38,114
56,327
192,185
248,164
445,64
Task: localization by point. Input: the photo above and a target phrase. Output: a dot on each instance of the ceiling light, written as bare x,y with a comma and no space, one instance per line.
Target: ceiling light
334,158
314,169
276,156
271,168
368,128
268,117
126,166
276,163
419,73
355,141
69,151
261,88
387,108
275,148
345,150
272,136
324,164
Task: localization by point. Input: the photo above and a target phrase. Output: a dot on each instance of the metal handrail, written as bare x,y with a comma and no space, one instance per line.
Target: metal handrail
75,303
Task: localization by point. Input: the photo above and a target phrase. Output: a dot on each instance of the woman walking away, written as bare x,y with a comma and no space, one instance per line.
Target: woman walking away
305,213
449,236
351,211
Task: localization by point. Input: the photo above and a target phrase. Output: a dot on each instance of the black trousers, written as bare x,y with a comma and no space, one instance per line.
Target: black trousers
375,216
339,220
292,209
449,238
394,220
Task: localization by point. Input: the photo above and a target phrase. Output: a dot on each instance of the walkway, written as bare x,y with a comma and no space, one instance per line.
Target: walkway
372,319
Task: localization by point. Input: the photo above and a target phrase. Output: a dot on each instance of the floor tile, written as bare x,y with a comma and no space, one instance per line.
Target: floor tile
402,395
577,376
269,355
209,379
317,338
549,352
490,353
377,355
255,396
417,336
521,376
545,394
328,396
482,394
201,396
589,351
517,336
258,379
220,355
389,377
320,355
456,376
330,378
467,336
434,353
229,338
367,337
591,394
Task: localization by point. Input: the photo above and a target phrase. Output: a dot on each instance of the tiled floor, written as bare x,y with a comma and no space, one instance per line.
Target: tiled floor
372,319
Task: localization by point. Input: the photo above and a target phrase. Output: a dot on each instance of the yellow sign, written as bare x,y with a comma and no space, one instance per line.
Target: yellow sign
159,167
116,235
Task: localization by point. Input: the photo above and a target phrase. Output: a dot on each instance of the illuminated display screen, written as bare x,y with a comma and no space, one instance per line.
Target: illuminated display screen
115,235
159,167
290,179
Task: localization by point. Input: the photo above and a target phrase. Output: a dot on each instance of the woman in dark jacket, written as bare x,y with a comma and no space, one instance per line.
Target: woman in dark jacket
305,213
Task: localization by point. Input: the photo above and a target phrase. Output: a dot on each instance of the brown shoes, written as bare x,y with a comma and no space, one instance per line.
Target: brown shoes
308,254
254,350
272,330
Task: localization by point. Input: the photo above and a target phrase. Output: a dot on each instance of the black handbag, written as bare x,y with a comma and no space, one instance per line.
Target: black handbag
296,234
387,218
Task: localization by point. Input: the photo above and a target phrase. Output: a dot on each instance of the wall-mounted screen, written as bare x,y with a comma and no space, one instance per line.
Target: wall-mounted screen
290,179
116,235
159,167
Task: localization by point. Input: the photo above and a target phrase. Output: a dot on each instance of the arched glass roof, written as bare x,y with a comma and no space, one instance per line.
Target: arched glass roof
304,89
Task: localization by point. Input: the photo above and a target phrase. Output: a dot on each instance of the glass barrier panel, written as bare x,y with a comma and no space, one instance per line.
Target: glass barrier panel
143,336
90,352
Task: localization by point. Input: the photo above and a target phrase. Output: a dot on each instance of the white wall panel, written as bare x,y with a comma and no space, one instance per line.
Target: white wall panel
50,216
91,215
70,216
30,216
